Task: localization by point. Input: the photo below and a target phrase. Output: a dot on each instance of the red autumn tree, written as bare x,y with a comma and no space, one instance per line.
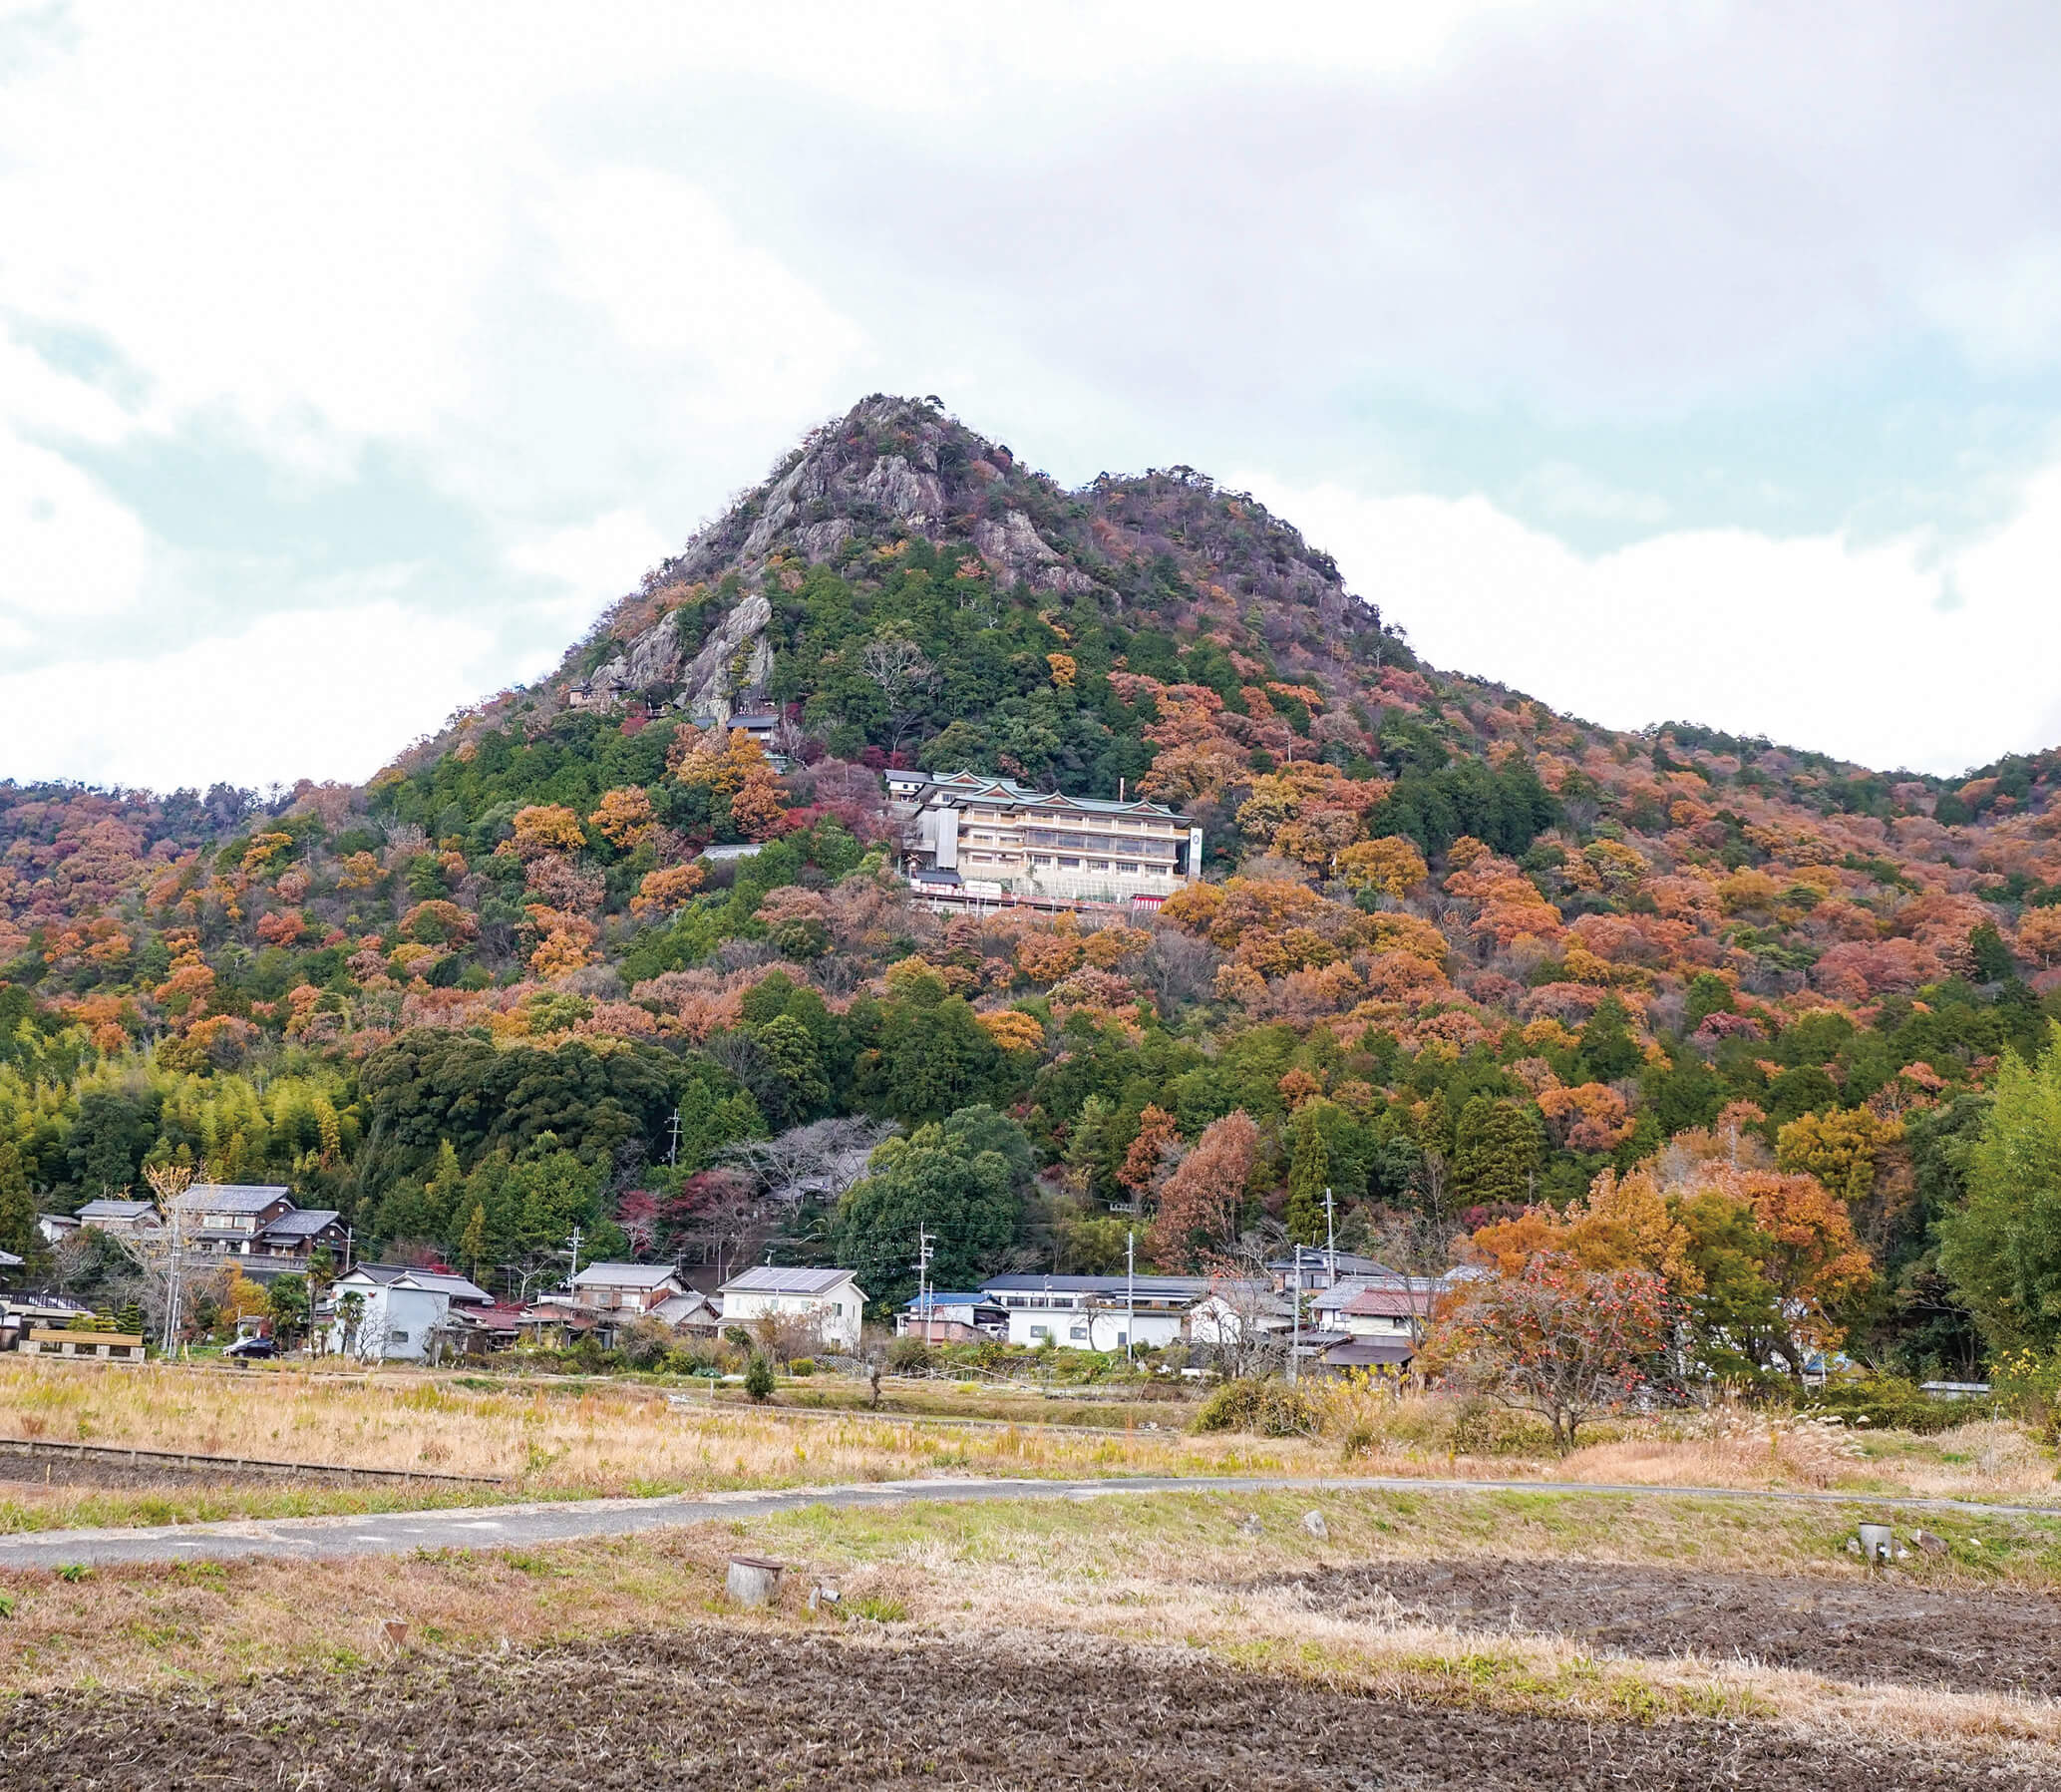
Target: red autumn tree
1554,1340
1200,1203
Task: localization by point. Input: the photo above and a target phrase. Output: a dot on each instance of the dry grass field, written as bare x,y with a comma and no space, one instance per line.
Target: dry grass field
550,1438
1422,1641
545,1440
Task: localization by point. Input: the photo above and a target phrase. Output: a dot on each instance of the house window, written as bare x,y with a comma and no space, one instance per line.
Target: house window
1040,1332
1078,1332
1132,869
397,1336
1069,864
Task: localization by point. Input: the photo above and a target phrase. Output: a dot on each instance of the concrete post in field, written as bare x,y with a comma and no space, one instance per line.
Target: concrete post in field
754,1579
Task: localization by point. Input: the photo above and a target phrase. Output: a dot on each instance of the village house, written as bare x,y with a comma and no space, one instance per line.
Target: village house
623,1290
23,1313
691,1313
1096,1312
831,1300
121,1216
259,1225
971,839
939,1317
402,1313
1386,1312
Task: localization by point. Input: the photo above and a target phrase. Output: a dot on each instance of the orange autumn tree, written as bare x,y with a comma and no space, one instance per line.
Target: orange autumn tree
1157,1135
623,818
1762,1263
1391,865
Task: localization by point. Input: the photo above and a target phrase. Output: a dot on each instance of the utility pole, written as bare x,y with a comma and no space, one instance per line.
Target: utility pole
925,1240
175,1290
672,1156
1296,1315
1129,1293
574,1253
1330,1240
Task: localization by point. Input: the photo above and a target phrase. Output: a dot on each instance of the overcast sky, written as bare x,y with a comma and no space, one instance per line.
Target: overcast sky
1693,361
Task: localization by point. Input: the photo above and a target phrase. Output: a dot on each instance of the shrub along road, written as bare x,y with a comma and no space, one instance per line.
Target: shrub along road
495,1527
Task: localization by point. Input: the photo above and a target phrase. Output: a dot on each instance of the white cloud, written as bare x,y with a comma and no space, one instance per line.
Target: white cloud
321,695
67,549
664,265
1818,642
592,563
541,263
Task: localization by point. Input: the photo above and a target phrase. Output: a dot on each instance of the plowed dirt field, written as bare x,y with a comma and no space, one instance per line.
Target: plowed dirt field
726,1706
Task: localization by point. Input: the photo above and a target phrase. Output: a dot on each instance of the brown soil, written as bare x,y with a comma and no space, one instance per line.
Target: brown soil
724,1707
87,1470
1890,1629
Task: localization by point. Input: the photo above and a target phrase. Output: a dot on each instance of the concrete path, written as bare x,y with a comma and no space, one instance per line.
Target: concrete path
499,1527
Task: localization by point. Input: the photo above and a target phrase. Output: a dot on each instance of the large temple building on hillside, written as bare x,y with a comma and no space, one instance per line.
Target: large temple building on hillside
969,839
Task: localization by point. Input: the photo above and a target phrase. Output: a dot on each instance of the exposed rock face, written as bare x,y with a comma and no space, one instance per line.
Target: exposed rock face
651,659
815,499
707,686
1020,555
656,662
896,467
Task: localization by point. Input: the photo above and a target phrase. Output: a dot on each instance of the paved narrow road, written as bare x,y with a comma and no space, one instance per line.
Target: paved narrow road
495,1527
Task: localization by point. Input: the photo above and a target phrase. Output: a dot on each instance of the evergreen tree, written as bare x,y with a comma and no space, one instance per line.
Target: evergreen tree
1498,1151
1310,1169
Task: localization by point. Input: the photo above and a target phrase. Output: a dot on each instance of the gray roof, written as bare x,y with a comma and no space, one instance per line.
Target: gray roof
1156,1285
8,1260
302,1223
1369,1353
771,1279
115,1210
624,1276
459,1288
982,787
233,1197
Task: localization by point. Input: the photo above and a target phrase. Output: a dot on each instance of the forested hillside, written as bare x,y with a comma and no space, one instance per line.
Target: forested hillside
1473,967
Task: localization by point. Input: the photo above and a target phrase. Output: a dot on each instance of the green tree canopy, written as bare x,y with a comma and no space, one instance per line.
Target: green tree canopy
961,1180
2001,1251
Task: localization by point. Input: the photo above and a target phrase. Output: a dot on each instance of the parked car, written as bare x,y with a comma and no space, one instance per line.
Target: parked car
245,1349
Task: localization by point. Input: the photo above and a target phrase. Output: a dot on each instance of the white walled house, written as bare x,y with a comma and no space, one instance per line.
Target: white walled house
402,1312
1096,1312
829,1299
